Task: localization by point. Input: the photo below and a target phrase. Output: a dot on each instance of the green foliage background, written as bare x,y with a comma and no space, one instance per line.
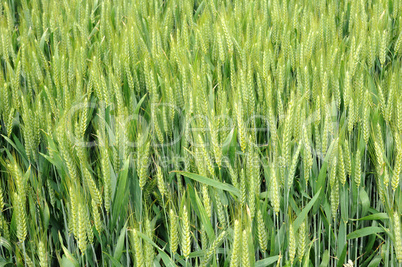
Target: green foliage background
200,133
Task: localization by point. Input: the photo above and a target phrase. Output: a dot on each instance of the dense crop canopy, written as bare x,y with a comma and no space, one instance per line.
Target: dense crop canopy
200,132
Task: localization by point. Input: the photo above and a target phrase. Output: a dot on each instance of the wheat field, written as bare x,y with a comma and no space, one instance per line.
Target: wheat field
200,133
